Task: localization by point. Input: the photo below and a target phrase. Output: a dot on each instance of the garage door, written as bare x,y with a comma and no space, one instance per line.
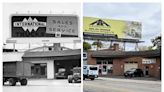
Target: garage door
128,66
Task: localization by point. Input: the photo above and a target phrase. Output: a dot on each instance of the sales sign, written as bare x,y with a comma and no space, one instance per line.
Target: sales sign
44,26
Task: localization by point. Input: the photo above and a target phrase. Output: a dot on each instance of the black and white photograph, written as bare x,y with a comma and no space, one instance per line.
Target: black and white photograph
41,47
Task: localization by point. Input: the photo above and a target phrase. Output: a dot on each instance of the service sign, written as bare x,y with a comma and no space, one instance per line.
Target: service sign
44,26
148,61
123,29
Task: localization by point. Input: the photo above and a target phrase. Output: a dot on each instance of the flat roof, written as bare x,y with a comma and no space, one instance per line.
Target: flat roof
122,54
52,53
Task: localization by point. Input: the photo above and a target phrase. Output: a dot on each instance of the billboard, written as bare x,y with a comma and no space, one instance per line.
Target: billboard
44,25
123,29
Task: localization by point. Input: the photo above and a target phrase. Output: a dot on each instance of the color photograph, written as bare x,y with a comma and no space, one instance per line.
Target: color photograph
122,47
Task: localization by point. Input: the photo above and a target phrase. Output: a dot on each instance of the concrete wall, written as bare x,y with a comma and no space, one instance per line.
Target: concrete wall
12,56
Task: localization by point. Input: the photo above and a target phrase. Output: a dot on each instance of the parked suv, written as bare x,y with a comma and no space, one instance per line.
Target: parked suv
134,72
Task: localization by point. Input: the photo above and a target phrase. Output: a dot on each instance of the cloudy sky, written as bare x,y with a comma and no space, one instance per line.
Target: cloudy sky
147,13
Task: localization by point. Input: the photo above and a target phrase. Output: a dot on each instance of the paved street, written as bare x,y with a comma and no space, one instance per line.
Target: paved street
42,85
121,85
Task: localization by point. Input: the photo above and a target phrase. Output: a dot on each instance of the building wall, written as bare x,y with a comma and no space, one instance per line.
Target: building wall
90,60
118,65
12,56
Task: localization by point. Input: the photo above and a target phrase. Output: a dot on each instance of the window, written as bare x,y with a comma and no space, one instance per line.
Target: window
84,55
39,69
110,62
85,67
93,68
104,62
98,62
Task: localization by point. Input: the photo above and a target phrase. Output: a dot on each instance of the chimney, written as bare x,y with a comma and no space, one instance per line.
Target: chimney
116,47
57,47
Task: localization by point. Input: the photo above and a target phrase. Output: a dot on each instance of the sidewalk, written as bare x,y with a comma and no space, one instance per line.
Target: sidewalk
130,80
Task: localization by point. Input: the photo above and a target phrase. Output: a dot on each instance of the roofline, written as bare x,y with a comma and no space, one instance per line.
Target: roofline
148,54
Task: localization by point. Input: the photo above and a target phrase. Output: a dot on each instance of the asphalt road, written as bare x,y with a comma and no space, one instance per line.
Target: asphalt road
121,85
42,85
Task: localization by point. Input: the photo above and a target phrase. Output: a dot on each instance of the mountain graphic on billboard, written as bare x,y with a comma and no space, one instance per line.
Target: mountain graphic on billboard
100,23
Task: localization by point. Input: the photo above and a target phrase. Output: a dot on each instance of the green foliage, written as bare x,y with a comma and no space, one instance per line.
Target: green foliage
86,46
157,42
98,44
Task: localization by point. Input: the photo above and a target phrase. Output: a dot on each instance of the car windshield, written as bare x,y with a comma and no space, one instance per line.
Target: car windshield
61,70
93,68
132,69
76,70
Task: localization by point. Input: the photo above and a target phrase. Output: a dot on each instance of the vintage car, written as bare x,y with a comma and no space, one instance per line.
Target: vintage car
76,75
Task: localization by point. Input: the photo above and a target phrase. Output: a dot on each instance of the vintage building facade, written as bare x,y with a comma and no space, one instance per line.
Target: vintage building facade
45,64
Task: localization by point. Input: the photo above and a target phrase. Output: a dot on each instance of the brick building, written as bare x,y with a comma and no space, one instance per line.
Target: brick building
113,62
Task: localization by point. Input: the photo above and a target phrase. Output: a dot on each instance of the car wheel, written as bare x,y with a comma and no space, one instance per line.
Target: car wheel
83,78
23,82
92,78
70,79
12,82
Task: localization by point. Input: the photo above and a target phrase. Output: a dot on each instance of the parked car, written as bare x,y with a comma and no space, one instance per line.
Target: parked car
76,76
90,72
61,74
134,72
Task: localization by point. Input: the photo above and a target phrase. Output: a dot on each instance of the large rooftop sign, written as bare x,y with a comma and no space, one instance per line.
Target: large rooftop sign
44,26
119,28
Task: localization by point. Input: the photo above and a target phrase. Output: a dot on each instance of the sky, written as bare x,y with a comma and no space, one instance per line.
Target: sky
37,8
149,14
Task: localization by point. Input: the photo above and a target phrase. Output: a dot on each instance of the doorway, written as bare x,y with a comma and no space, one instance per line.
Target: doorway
146,70
104,70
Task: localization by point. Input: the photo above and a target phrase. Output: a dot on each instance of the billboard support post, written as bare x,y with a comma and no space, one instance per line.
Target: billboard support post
14,46
111,42
136,47
124,45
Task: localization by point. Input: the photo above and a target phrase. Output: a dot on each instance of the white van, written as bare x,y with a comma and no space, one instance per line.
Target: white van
90,72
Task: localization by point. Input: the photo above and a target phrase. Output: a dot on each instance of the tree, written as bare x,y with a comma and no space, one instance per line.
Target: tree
157,42
98,44
86,46
143,48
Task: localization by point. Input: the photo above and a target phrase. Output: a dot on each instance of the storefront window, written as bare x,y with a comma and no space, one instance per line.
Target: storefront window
98,62
39,70
104,61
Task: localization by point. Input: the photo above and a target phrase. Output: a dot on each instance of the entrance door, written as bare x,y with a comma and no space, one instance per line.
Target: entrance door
39,70
146,70
104,70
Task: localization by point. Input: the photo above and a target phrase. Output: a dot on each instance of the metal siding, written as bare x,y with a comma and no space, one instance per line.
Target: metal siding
9,69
